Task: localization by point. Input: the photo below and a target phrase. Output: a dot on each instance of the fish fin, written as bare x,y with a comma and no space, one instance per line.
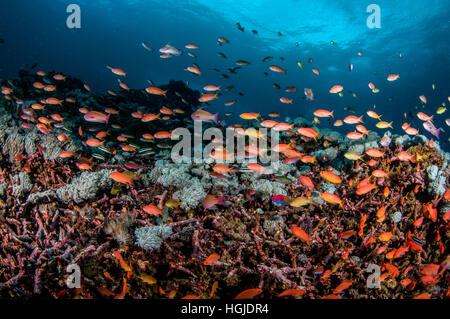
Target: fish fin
216,118
437,132
221,200
107,118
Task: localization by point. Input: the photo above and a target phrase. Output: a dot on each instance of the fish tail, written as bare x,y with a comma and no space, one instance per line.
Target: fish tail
216,118
107,118
332,114
437,132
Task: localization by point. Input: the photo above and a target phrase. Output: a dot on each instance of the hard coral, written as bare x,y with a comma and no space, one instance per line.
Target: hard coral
152,237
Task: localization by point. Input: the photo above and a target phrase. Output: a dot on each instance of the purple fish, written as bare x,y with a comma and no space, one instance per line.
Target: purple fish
431,128
280,199
385,140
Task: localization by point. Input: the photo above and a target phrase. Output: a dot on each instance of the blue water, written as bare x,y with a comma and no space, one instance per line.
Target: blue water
112,31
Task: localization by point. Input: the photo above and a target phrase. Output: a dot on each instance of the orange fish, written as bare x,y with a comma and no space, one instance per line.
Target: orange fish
66,154
365,189
93,142
152,210
331,198
336,89
381,214
207,97
121,178
373,152
300,233
257,168
362,223
53,101
331,177
249,293
277,69
307,132
292,292
249,116
307,182
342,286
286,100
355,136
323,113
162,135
385,237
430,212
351,119
155,90
123,264
211,259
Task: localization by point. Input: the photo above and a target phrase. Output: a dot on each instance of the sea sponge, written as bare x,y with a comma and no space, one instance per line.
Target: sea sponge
85,186
152,237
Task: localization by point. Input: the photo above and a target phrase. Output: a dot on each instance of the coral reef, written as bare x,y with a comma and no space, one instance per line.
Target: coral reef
152,237
124,212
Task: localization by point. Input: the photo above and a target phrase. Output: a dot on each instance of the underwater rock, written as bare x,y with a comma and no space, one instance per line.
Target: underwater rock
152,237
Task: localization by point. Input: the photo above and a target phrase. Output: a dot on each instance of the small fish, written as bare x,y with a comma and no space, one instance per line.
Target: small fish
213,258
147,47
